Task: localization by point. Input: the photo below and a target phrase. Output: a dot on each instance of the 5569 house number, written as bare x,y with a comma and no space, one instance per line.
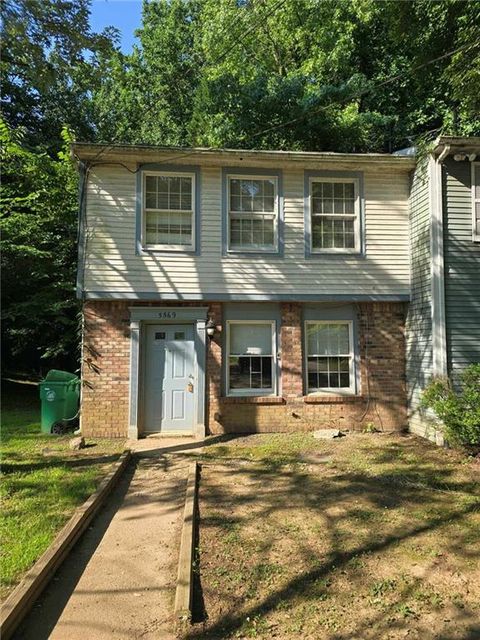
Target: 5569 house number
167,315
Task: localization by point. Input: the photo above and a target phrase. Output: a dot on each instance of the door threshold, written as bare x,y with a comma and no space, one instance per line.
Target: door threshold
168,434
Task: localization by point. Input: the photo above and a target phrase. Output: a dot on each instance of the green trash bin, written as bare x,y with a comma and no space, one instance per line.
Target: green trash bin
59,395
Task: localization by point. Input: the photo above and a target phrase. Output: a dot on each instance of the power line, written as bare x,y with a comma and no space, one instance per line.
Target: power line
248,31
215,61
322,107
367,90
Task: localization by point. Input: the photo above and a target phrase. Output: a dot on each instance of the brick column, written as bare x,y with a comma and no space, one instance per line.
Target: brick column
105,369
382,349
214,370
291,350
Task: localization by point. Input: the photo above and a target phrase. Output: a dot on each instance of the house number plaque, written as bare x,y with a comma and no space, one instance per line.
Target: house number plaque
167,315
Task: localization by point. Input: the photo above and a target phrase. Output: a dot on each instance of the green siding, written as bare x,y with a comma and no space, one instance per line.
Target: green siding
419,317
462,268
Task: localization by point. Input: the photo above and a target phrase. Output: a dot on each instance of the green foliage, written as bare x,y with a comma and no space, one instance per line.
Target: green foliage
38,246
306,75
459,410
148,95
303,74
50,65
40,486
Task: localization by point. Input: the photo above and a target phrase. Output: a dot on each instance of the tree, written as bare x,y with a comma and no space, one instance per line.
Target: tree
38,247
49,68
354,75
147,96
351,75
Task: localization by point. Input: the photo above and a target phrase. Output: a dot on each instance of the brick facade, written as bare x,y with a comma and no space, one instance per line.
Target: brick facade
381,400
105,369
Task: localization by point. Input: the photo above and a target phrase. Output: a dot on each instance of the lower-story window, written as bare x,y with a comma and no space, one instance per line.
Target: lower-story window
330,356
251,360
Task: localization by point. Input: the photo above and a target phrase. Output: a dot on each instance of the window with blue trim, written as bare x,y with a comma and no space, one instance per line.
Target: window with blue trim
168,211
334,215
476,201
330,357
251,357
252,213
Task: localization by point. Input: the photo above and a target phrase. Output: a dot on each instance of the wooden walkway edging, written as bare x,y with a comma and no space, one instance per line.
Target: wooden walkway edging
17,605
184,592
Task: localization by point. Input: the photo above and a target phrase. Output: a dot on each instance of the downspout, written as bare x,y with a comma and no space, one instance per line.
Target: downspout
439,334
81,256
81,233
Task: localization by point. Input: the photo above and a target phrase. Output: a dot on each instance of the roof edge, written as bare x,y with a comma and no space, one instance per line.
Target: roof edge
456,143
93,151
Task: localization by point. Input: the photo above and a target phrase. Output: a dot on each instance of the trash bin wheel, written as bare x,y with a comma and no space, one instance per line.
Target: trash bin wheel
65,426
59,428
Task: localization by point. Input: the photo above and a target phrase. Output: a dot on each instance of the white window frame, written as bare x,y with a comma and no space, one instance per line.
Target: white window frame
475,234
276,213
188,248
351,390
355,215
252,392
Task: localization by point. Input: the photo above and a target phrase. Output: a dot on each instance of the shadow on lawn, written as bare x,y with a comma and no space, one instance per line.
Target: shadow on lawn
410,486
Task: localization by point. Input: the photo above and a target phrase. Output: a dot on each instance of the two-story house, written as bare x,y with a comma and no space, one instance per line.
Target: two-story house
243,291
443,321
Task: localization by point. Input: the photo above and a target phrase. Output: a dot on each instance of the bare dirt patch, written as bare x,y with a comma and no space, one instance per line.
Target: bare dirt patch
367,536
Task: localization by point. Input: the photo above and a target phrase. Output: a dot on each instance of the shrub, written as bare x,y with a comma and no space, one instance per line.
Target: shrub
458,409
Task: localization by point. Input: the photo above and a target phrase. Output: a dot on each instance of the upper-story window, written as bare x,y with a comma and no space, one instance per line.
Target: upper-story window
476,201
252,213
334,215
168,211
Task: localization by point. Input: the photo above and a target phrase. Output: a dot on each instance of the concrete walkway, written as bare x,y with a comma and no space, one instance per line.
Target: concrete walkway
119,580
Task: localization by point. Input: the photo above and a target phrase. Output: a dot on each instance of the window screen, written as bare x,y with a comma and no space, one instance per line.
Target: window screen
329,356
168,210
251,358
476,202
334,213
252,213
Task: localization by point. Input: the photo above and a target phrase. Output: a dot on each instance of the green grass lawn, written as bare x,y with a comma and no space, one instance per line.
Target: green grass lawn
42,481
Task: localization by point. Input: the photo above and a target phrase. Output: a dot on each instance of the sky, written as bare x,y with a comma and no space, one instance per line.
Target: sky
126,15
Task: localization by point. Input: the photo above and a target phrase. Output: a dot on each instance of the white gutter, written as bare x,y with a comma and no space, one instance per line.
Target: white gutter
444,154
439,333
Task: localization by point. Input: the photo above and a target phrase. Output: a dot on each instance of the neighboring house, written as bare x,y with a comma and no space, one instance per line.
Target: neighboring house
443,321
243,291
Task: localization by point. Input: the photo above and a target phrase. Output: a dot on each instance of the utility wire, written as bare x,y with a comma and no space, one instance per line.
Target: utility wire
312,111
213,62
366,90
267,14
321,108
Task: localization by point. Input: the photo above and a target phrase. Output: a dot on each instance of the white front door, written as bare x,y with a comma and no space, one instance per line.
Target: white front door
169,384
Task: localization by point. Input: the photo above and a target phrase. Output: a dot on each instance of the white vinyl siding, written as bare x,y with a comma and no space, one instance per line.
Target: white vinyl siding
329,356
114,268
251,362
476,201
252,213
168,211
335,215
